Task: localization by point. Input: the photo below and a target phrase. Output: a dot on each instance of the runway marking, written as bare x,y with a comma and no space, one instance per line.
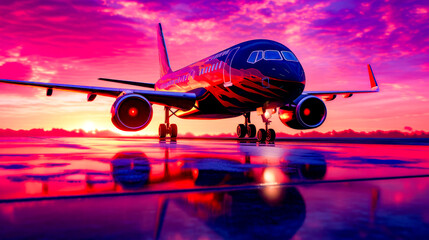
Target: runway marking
205,189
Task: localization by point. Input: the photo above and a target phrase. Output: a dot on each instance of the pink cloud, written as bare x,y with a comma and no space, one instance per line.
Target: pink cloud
19,71
408,128
15,70
66,29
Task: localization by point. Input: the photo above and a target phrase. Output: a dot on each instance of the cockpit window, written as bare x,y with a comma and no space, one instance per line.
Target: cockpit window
259,57
252,57
272,55
255,56
289,56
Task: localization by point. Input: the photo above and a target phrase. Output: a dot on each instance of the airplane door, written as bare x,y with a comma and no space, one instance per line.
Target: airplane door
227,76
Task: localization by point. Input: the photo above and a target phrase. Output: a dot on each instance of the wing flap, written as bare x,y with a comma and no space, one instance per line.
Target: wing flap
179,100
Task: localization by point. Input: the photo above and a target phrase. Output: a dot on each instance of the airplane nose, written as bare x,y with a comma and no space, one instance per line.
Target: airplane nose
297,71
289,71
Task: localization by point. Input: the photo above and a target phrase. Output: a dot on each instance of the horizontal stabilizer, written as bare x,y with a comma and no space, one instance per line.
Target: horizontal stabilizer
140,84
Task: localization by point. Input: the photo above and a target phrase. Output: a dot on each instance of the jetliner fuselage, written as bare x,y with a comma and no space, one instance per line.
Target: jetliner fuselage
240,79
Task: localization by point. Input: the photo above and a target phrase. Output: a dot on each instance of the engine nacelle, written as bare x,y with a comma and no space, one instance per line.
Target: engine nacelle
131,112
306,112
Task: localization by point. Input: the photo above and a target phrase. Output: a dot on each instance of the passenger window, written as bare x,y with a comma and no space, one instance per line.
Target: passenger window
252,57
289,56
272,55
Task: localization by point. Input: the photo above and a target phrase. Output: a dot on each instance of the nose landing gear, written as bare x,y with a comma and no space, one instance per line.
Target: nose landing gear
267,134
167,128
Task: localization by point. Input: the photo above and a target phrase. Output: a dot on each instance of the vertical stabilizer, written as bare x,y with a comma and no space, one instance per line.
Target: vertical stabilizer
164,63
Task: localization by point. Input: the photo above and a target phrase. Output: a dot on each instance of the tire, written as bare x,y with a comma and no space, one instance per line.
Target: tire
251,130
162,130
173,130
262,135
241,131
271,135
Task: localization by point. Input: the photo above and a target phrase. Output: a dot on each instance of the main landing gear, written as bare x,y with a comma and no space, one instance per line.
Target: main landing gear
267,134
247,128
167,128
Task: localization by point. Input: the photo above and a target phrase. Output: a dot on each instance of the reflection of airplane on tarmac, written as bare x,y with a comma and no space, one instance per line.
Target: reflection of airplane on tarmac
134,170
240,214
257,75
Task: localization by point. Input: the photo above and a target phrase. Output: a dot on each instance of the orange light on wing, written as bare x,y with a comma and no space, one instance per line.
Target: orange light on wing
132,112
285,116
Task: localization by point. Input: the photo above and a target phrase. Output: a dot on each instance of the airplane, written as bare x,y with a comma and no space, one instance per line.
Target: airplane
257,75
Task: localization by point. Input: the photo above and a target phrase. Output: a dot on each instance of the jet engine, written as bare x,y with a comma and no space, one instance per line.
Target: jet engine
131,112
305,112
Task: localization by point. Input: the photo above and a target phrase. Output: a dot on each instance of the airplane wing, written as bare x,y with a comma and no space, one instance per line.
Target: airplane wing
331,95
184,101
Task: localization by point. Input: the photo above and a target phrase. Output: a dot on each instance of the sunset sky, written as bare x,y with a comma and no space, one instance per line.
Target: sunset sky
76,42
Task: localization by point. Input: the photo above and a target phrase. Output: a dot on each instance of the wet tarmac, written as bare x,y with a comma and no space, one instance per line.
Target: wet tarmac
130,188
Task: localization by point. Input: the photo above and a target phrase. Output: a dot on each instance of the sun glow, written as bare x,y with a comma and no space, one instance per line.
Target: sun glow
89,126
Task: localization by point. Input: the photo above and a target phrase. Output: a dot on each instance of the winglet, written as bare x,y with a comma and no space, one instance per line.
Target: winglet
374,85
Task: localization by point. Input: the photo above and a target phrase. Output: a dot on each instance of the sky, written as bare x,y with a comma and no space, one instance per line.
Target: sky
76,42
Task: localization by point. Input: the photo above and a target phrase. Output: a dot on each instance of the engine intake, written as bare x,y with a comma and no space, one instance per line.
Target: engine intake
131,112
306,112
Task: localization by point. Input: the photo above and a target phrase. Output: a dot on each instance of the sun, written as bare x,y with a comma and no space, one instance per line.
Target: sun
88,126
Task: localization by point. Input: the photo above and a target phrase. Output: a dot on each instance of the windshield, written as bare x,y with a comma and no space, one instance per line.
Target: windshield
289,56
255,56
272,55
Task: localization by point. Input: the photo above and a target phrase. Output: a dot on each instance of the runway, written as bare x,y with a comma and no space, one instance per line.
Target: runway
143,188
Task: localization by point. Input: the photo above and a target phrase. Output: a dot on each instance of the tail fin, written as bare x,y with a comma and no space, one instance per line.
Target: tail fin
164,63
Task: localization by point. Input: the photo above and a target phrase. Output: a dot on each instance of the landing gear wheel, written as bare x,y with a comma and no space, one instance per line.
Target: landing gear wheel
271,135
241,130
262,135
251,130
162,130
173,130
